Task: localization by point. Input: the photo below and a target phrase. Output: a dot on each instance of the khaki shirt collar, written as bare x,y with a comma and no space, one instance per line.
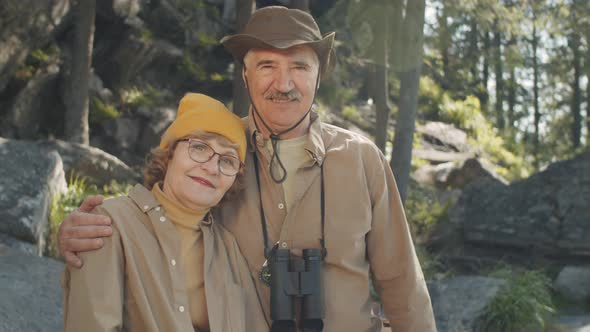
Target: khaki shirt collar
143,198
315,144
146,201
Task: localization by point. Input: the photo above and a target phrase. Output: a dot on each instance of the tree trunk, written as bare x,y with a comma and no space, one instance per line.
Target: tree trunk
576,91
537,115
300,4
512,86
401,155
77,73
499,71
445,44
379,74
382,108
485,71
241,99
474,52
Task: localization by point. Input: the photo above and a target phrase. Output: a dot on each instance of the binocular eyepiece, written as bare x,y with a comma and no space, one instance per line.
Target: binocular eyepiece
294,277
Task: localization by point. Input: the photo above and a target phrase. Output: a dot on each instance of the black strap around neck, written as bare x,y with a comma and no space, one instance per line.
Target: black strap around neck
267,250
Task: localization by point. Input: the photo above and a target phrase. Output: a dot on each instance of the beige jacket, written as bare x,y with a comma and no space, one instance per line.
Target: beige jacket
366,230
134,282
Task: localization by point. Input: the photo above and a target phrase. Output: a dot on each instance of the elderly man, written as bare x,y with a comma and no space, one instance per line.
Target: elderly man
307,185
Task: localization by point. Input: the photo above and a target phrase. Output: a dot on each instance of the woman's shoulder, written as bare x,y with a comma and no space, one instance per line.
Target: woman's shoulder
131,206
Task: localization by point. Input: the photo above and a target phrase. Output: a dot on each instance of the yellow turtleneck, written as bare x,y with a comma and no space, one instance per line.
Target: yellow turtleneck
188,224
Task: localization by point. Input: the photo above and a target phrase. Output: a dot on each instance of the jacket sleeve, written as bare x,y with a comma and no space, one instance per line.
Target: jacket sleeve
94,294
397,275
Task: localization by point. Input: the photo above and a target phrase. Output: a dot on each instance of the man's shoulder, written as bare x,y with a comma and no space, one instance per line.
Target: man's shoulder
339,136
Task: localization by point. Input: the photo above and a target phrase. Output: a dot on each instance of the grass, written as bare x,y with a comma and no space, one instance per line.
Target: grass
524,304
66,203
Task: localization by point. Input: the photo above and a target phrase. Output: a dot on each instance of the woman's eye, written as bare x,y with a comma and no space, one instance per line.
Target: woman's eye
230,161
199,147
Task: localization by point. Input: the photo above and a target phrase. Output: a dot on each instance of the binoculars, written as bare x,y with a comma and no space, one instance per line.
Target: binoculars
294,277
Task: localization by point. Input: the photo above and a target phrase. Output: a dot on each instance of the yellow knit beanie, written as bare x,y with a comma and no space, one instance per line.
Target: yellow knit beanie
199,112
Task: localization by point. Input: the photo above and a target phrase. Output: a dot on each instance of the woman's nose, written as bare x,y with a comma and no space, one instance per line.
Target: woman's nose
212,165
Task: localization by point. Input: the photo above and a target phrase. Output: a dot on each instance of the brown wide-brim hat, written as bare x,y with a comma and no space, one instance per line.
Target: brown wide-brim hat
278,27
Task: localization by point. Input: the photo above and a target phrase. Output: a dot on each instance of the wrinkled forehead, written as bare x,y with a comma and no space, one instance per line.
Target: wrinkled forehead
300,53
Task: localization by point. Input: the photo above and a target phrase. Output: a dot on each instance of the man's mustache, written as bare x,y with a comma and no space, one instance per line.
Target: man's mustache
292,95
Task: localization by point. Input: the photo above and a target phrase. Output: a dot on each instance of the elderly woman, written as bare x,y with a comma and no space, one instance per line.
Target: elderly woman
168,265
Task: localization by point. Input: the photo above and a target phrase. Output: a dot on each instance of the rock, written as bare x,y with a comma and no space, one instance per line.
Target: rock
30,178
458,302
456,174
26,25
573,282
124,131
547,212
157,120
31,105
97,166
444,136
572,323
16,245
31,294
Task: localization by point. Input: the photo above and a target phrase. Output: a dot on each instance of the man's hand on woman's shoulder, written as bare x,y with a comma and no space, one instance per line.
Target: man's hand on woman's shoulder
83,231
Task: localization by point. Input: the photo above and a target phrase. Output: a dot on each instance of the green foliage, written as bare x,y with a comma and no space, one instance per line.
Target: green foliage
191,68
336,95
524,304
424,210
37,60
351,113
66,203
147,97
466,114
101,111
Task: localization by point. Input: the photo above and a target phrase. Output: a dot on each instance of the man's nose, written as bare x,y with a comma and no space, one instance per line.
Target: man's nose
284,80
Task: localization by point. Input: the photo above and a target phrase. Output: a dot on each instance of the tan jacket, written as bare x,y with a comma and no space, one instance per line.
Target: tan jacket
366,230
135,284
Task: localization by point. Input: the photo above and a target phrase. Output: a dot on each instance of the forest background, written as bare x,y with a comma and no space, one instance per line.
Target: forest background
512,76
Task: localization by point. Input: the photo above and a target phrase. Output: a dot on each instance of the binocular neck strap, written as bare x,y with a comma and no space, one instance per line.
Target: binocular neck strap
263,219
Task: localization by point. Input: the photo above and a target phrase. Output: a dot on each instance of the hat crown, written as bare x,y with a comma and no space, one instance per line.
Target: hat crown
280,23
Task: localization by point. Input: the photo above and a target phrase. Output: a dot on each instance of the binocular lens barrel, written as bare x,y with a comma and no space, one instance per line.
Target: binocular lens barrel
312,305
281,303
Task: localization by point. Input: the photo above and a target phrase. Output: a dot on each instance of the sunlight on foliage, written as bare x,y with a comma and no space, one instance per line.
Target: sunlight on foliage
66,203
136,97
466,114
101,111
424,210
522,305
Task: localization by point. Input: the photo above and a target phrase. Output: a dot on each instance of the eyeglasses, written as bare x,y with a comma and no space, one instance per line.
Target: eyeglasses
201,152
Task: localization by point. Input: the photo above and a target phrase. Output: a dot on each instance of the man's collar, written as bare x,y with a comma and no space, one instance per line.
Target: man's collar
314,145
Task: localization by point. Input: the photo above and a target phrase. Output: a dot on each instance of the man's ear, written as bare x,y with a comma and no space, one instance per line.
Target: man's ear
244,76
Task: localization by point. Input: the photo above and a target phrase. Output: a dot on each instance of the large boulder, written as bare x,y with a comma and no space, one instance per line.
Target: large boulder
31,294
459,302
547,212
33,104
444,137
95,165
26,25
30,178
456,174
573,283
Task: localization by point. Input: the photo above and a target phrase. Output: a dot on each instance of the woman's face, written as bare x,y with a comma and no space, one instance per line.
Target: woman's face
197,185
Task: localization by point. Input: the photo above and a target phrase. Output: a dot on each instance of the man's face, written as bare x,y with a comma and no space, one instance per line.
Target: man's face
282,85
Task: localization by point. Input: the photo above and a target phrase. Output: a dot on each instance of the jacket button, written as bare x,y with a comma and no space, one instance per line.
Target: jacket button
173,262
162,219
181,309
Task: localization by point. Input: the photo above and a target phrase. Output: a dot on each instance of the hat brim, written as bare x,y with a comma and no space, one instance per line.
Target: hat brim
238,45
